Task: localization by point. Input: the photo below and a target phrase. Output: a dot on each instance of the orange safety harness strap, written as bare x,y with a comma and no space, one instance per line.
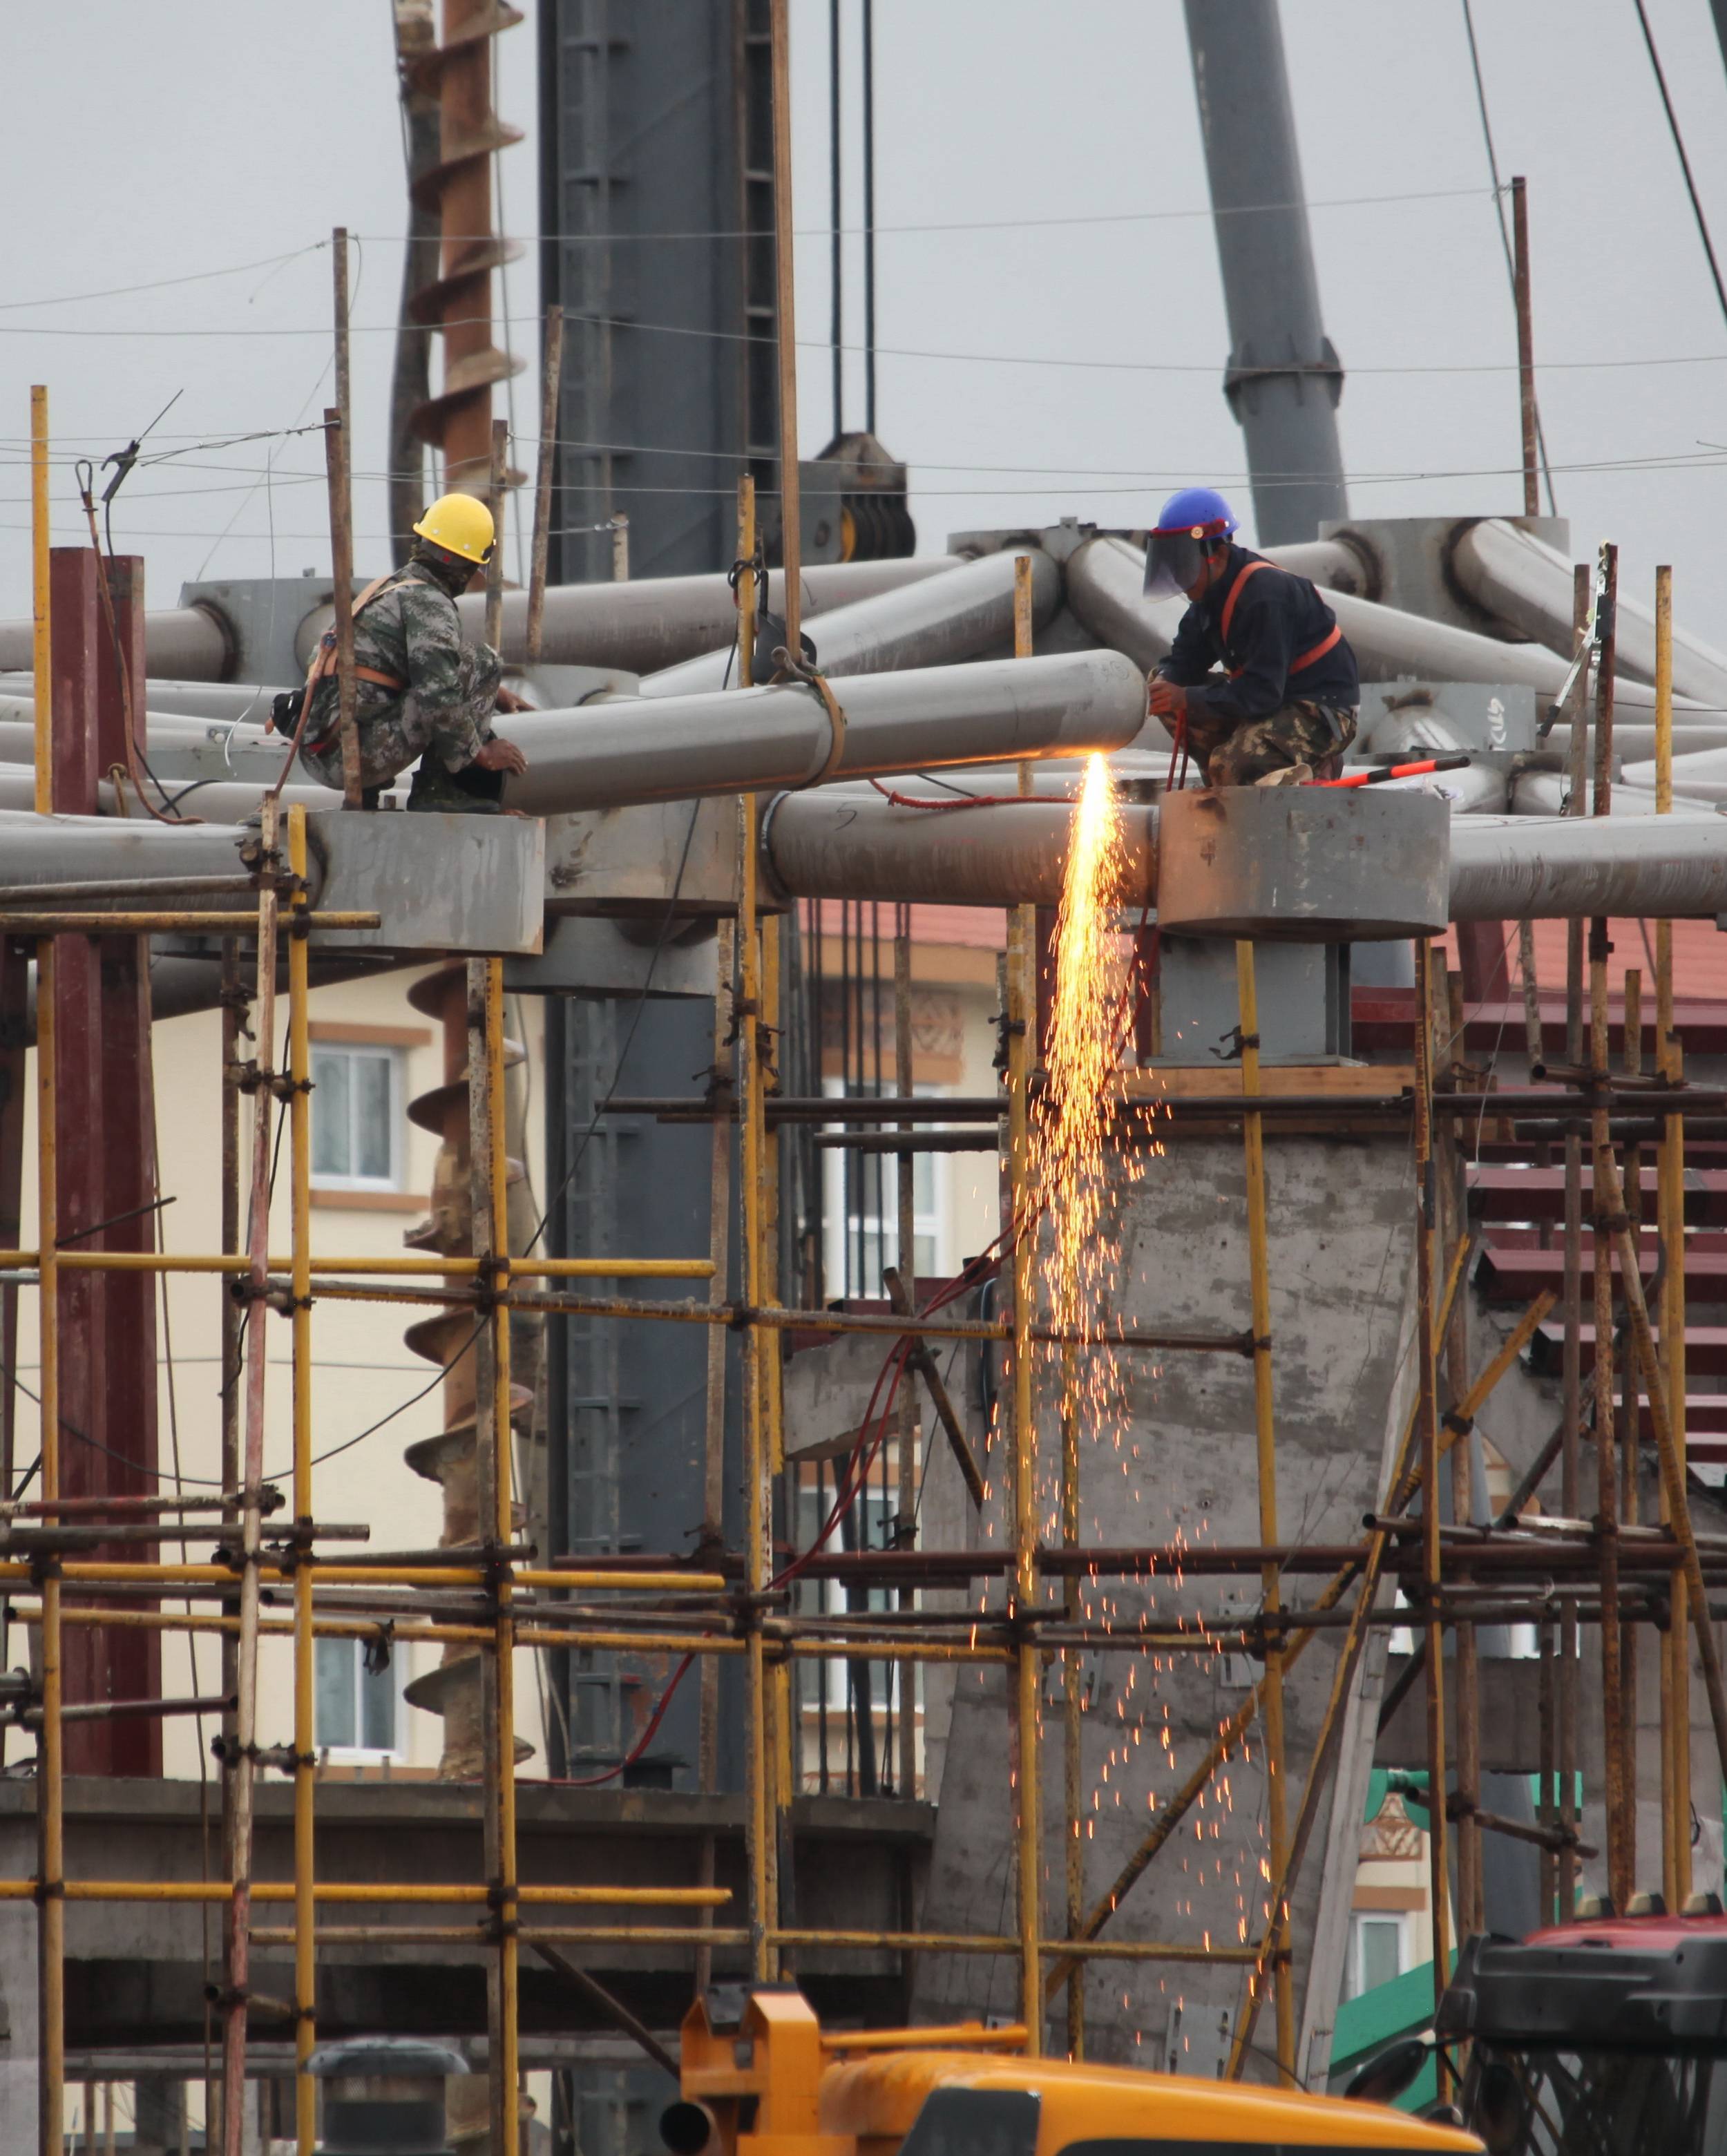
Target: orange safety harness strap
1303,660
323,659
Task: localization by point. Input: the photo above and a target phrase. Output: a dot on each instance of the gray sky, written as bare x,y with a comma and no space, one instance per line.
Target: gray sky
1058,147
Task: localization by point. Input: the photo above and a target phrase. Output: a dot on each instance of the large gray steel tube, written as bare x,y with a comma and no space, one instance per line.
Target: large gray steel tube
1503,868
1103,581
1528,585
1283,380
929,623
1105,589
832,844
654,621
100,849
607,756
187,642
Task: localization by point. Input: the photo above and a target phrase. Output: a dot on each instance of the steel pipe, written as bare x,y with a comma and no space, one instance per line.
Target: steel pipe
1527,585
1579,868
827,845
1702,774
1502,868
188,642
1103,589
611,755
931,623
1542,793
645,625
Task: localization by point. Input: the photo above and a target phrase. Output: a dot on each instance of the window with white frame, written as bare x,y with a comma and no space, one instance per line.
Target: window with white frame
357,1711
1378,1950
357,1134
860,1212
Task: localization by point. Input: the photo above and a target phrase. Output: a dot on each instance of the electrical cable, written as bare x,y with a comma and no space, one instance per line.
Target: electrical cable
1672,124
1493,165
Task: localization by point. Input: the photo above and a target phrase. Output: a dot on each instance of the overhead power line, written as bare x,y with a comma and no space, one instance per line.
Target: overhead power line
1672,124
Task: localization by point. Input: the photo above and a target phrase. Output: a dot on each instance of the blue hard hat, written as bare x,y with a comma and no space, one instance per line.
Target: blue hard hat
1200,511
1175,550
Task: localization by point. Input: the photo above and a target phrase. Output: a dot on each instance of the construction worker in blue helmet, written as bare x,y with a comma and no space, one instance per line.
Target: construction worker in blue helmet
1260,680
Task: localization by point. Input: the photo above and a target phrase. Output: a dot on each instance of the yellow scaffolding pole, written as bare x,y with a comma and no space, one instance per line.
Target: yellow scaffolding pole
1265,1433
305,2093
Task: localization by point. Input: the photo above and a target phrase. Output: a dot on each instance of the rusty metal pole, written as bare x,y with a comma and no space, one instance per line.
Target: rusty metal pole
1621,1802
1675,1688
1526,345
50,1783
911,1413
1448,1018
1571,1378
551,377
1439,1869
1024,1050
341,593
497,479
785,327
763,1838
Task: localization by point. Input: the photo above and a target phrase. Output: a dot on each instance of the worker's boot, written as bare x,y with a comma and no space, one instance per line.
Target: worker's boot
472,792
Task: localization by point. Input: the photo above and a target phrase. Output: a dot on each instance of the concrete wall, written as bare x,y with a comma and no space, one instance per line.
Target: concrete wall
1180,1466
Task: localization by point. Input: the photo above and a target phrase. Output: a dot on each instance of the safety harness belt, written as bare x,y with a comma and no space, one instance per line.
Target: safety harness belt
1303,660
323,660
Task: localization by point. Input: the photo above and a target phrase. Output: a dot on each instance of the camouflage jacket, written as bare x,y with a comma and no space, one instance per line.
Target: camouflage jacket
411,632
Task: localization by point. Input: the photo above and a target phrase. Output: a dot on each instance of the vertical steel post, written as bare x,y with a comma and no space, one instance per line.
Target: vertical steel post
1571,1378
550,375
719,1250
1427,1415
497,479
785,328
241,1765
911,1414
1024,1046
1526,345
41,672
342,584
757,1487
489,1178
1620,1801
1448,1019
1266,1443
1676,1691
50,1782
306,2090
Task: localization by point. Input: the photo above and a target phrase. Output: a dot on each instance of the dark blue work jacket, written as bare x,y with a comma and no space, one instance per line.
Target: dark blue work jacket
1273,635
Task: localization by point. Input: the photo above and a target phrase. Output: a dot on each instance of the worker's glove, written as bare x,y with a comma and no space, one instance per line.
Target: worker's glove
1166,699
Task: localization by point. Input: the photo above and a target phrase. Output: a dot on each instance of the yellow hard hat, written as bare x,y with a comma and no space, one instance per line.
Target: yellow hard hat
459,524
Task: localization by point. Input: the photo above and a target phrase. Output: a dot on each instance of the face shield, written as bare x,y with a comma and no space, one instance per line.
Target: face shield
1173,560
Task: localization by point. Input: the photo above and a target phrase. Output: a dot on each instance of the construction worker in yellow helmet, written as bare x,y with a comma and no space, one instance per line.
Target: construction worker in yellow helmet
420,691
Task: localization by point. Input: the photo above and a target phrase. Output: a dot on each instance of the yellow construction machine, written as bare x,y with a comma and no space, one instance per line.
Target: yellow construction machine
766,2081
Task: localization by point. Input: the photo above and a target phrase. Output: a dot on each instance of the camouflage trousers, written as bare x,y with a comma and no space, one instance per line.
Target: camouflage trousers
397,731
1300,732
